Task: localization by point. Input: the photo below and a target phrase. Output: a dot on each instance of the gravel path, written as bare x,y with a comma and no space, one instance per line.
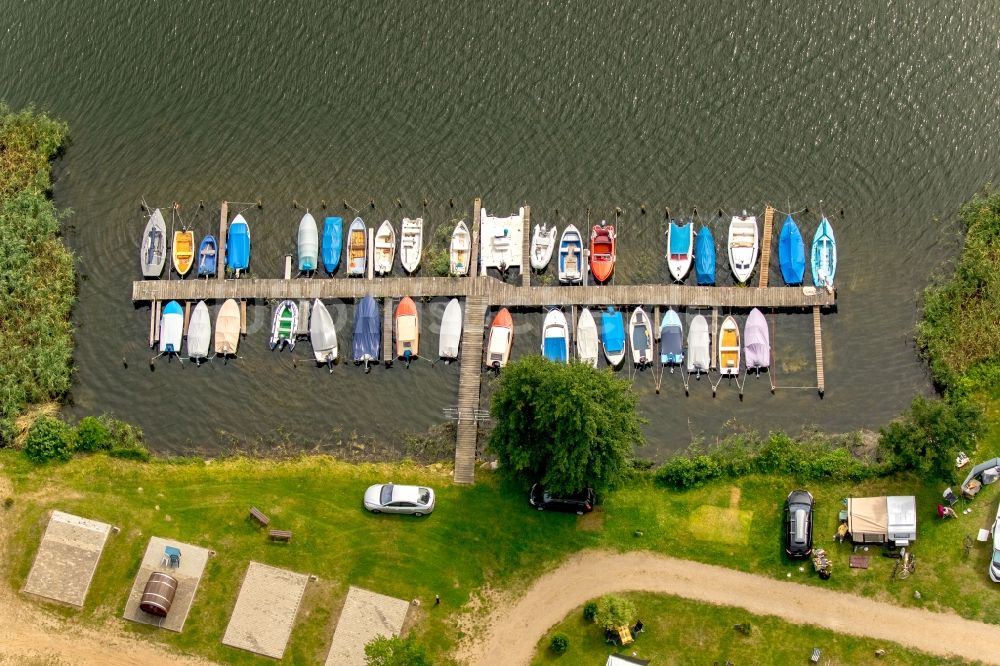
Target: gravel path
513,629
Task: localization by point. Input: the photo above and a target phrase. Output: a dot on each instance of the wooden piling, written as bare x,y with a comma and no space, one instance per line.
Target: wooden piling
152,324
288,267
220,260
818,337
156,322
187,316
243,317
765,254
477,218
388,354
526,249
370,250
714,335
656,323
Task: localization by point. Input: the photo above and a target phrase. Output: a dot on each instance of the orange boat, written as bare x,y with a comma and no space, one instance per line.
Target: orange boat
183,251
602,251
407,329
500,340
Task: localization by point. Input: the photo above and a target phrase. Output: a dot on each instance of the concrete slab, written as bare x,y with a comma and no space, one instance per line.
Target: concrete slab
265,610
67,557
188,575
366,615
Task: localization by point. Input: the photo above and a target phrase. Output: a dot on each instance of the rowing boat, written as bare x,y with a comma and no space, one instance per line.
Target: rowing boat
183,251
357,248
411,243
603,251
153,250
459,251
570,256
729,348
385,248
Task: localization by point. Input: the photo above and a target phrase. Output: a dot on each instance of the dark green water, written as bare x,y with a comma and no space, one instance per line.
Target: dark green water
889,113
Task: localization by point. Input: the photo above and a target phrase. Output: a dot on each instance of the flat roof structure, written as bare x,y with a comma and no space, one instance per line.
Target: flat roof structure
67,558
192,566
365,615
265,610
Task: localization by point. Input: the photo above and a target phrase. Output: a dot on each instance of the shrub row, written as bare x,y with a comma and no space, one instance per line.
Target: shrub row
51,439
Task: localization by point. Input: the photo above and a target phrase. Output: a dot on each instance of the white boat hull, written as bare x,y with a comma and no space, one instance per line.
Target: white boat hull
199,337
451,330
586,338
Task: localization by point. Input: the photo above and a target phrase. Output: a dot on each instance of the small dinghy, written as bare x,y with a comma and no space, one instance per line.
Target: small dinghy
238,245
227,328
407,330
570,256
586,338
153,250
171,328
459,251
729,348
640,335
704,258
613,336
555,337
603,251
199,333
323,335
333,238
756,342
411,243
357,248
367,333
451,330
791,252
385,248
699,347
680,249
500,340
824,255
543,242
208,256
183,251
285,326
671,339
743,245
308,244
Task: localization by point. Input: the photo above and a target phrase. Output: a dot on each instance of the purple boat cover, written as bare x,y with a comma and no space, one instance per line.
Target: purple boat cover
757,344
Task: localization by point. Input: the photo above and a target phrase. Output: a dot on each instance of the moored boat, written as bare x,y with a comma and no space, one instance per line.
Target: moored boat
407,330
729,348
704,257
199,333
555,337
227,328
367,333
208,256
385,248
640,335
451,330
570,256
671,339
699,346
171,328
333,239
284,327
238,245
357,248
308,243
543,242
323,334
153,249
824,255
411,243
756,342
586,338
499,342
460,249
743,245
613,336
603,251
680,249
183,251
791,252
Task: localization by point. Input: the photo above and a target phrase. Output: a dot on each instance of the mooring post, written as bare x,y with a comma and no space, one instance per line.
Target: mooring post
243,317
156,323
370,250
288,267
220,261
187,316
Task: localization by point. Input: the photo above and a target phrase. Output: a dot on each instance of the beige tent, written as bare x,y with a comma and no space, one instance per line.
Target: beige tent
882,519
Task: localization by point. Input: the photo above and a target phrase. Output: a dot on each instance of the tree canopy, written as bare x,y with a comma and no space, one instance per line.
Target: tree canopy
930,435
567,426
395,651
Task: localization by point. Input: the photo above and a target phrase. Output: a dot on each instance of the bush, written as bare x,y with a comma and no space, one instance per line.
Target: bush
126,439
559,643
614,611
49,439
931,434
589,611
92,435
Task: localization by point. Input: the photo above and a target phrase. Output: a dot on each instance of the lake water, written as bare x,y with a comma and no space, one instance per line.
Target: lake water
888,113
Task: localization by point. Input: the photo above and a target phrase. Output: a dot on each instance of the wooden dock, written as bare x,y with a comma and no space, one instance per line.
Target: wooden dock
388,351
765,252
818,337
526,249
220,259
469,379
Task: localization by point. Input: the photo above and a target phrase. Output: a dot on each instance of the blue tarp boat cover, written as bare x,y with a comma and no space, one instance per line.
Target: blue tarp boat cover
367,331
612,331
238,246
555,349
704,257
333,238
680,238
791,252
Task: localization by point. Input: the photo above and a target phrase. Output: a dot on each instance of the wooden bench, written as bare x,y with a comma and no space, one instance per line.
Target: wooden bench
279,535
257,515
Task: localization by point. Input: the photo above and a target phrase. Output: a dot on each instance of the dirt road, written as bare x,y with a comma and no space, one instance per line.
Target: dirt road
512,630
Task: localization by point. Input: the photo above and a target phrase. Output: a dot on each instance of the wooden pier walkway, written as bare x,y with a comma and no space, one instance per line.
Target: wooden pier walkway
765,253
469,379
818,337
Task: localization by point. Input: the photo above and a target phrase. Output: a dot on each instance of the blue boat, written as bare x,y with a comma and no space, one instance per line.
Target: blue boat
671,339
333,239
555,337
704,257
613,336
824,255
367,333
238,245
208,256
791,252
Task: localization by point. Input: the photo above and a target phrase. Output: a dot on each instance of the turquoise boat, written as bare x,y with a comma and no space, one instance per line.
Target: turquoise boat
824,255
333,239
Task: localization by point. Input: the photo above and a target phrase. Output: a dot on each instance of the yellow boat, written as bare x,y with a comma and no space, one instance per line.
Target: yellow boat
183,251
729,348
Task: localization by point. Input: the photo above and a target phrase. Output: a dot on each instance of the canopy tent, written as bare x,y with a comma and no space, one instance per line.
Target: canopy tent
890,520
979,469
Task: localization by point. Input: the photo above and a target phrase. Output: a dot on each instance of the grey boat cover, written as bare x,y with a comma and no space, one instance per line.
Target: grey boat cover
699,345
756,341
367,331
670,341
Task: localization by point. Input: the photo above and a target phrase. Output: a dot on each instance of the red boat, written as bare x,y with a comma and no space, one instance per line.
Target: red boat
602,252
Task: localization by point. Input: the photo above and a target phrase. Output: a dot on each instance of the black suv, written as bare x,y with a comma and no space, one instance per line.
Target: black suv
799,523
578,503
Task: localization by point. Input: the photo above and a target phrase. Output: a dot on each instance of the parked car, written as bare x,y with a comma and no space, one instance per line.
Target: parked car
995,560
579,503
390,498
799,523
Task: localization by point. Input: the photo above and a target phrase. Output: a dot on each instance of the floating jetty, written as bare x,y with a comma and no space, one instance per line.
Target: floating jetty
481,291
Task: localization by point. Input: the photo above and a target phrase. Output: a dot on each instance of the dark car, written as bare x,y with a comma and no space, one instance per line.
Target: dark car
578,503
799,523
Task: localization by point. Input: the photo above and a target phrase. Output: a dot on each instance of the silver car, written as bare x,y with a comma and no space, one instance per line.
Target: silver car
390,498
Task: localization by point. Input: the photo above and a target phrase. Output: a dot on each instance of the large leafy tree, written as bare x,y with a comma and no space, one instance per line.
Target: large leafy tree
930,434
568,426
395,651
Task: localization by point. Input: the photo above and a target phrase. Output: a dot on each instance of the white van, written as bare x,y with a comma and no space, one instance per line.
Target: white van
995,560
